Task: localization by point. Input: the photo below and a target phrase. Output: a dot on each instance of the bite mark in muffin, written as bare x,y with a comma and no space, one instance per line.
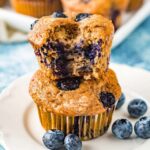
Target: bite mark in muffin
66,48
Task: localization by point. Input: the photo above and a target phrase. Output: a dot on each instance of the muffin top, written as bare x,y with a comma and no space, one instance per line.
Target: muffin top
71,30
74,96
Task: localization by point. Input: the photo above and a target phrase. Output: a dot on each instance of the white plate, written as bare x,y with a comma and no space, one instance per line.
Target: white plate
131,21
22,130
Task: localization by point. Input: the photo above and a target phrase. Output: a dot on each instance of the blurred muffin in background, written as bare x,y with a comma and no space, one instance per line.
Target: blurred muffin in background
36,8
87,6
135,4
112,9
117,10
2,2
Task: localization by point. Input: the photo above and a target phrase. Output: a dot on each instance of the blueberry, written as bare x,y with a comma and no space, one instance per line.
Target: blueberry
142,127
122,128
53,139
69,83
137,108
72,142
59,66
93,50
107,99
59,47
121,101
90,53
32,25
58,14
82,16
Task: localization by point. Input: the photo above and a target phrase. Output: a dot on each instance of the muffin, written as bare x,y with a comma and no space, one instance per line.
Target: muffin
112,9
72,47
87,6
135,5
118,8
75,105
36,8
2,2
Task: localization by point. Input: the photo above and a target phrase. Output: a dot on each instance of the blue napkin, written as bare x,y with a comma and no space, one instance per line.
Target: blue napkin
2,148
135,50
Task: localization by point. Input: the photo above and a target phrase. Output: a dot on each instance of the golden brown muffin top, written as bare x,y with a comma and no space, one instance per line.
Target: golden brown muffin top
84,100
92,28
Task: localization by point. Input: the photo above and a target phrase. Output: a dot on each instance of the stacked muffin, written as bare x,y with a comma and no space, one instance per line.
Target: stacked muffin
74,89
112,9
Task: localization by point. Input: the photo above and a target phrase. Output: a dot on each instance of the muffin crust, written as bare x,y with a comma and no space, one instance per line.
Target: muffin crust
83,101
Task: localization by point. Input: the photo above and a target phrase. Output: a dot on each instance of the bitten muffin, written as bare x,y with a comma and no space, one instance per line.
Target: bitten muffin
135,4
36,8
2,2
112,9
74,105
68,47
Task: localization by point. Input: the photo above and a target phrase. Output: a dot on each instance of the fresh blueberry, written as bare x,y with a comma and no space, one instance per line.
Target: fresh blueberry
142,127
82,16
53,139
72,142
137,108
58,14
32,25
69,83
121,101
107,99
122,128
